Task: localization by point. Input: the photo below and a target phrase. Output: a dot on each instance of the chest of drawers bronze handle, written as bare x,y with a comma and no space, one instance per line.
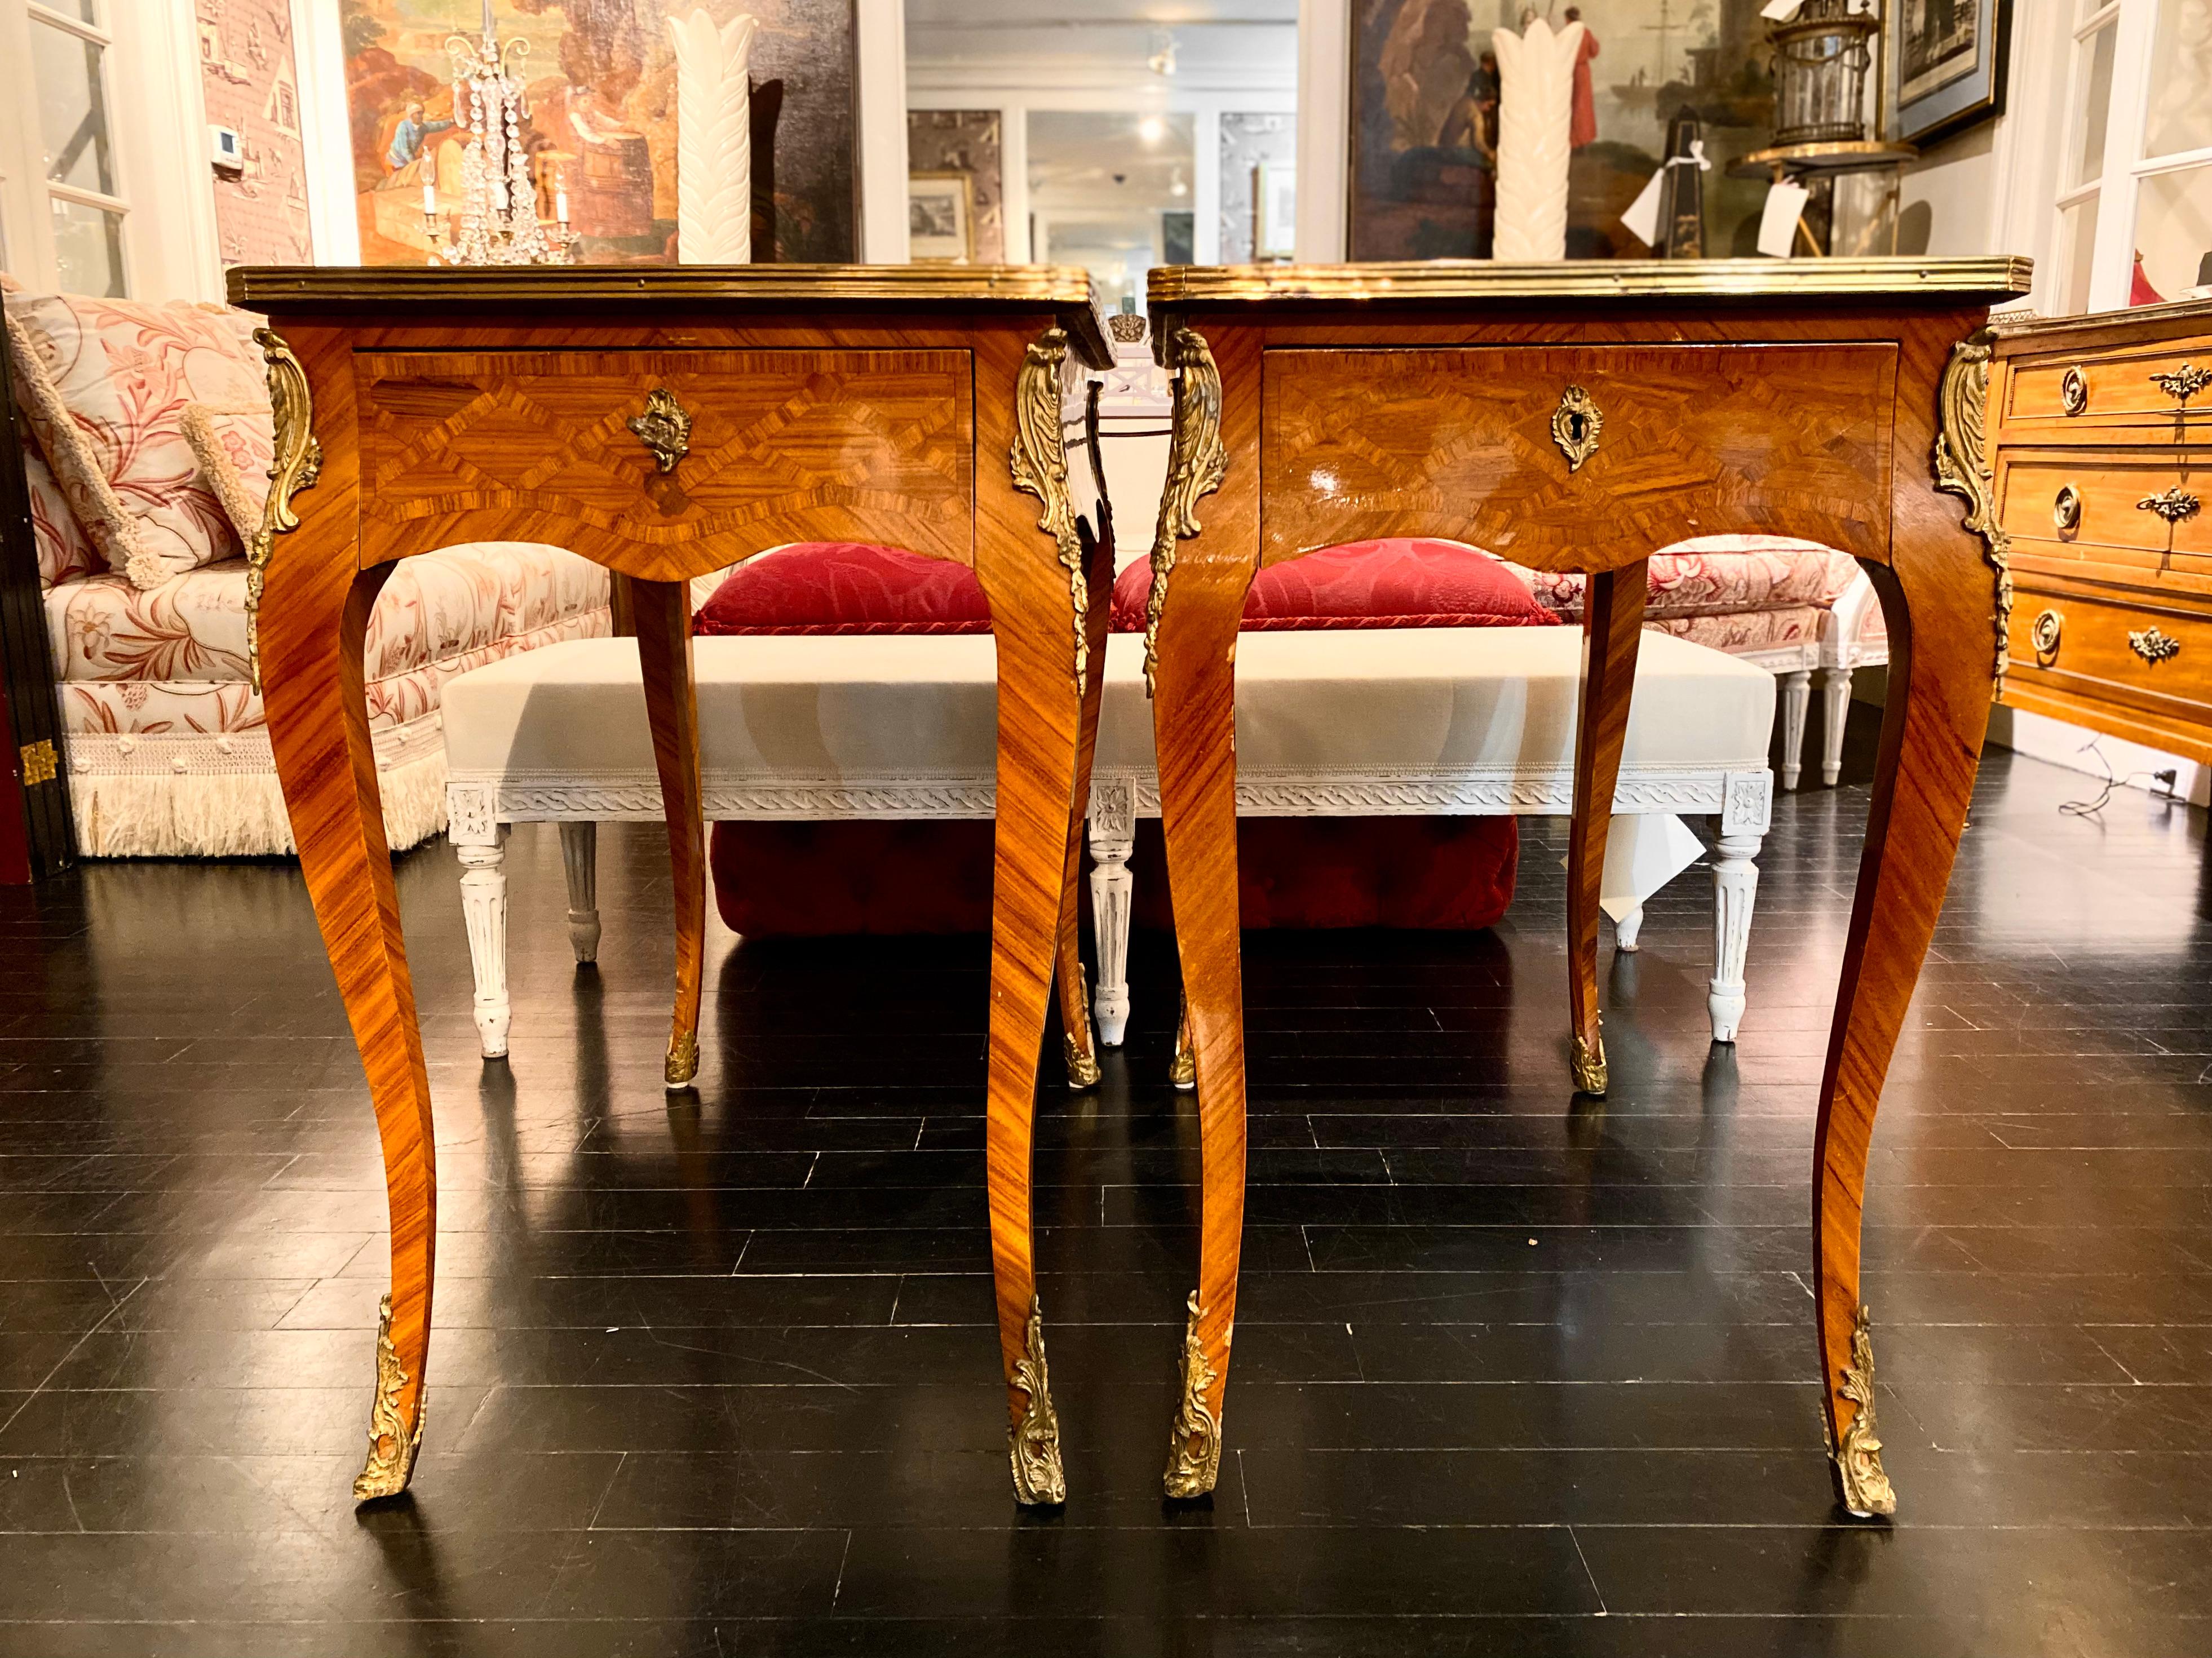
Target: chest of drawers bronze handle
2074,392
2153,645
2066,507
2173,505
2183,383
2044,635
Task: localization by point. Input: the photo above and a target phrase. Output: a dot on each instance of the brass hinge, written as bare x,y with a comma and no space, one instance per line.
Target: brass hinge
40,764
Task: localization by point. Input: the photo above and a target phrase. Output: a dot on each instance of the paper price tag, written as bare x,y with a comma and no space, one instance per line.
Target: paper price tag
1642,217
1778,221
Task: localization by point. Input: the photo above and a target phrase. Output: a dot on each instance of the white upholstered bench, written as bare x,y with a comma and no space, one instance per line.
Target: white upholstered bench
1427,721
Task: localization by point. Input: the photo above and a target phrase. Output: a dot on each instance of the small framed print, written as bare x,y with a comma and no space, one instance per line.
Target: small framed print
940,218
1946,65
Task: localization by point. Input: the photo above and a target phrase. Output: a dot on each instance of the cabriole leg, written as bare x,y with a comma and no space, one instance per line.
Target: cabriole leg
1612,621
663,611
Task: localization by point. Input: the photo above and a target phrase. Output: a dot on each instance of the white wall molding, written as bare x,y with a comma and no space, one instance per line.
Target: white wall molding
1324,128
325,134
879,28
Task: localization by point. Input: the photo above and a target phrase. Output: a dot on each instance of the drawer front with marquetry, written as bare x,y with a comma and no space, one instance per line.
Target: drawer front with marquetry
747,448
1563,455
2154,659
2116,498
2151,385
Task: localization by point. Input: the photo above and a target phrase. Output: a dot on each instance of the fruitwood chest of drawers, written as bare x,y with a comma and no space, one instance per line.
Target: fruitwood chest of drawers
2100,433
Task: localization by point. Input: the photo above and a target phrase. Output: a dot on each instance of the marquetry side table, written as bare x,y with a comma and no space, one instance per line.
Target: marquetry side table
1583,417
664,422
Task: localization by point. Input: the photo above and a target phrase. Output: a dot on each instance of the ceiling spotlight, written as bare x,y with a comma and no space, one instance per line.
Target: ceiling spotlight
1151,129
1162,60
1179,187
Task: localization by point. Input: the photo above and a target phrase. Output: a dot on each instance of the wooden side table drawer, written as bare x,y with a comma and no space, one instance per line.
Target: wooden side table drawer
2097,499
1684,440
672,446
2137,387
2153,660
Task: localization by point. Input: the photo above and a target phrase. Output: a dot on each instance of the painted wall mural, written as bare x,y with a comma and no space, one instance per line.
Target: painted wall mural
1425,106
252,86
602,81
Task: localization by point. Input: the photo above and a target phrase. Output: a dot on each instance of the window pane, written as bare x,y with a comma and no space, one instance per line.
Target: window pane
72,113
2179,116
2077,245
89,250
2173,229
87,11
2088,145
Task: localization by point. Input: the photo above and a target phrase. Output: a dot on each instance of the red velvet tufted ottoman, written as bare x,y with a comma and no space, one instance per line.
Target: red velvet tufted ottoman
817,878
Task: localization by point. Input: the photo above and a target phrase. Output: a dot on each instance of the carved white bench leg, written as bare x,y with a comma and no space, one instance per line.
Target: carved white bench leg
1735,889
1113,838
580,857
483,908
1796,689
1835,707
1625,929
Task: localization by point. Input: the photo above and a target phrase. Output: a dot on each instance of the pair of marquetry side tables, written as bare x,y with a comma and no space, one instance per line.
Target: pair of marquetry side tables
665,421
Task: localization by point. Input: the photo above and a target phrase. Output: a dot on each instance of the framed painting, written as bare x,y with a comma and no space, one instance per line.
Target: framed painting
1424,97
601,126
940,218
1946,65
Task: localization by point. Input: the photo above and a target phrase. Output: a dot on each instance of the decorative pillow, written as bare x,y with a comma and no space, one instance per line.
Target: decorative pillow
1721,575
65,552
846,587
235,449
1403,582
104,384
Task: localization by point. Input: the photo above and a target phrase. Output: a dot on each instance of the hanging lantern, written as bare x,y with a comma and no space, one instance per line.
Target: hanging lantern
1821,60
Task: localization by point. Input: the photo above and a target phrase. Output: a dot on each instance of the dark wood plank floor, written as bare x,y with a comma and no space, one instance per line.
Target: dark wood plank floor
1515,1375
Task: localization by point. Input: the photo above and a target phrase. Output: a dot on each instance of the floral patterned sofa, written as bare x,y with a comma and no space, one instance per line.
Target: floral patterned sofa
146,447
1795,608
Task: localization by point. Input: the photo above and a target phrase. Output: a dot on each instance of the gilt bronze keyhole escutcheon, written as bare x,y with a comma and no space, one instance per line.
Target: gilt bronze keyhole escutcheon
2066,508
2074,392
665,427
1576,424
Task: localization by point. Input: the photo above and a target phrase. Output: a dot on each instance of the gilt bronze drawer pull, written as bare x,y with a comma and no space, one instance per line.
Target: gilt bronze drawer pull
2074,392
665,427
1576,424
2153,645
2175,505
2066,509
2183,383
2044,635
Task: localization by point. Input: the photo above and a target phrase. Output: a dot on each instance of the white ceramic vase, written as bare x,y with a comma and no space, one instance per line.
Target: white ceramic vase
713,139
1535,113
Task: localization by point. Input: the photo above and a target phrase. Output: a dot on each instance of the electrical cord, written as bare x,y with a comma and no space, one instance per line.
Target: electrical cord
2091,808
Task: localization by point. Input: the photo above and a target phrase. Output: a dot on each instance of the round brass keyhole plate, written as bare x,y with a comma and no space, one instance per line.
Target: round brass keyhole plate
2066,508
2045,634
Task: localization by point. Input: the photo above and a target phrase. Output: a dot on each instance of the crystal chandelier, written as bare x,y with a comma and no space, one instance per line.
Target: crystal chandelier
499,222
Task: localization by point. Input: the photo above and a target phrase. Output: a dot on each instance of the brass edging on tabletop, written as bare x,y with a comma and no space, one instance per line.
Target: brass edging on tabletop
1983,279
2011,327
1194,1438
1865,1489
296,462
1038,461
1066,289
1962,469
1033,1443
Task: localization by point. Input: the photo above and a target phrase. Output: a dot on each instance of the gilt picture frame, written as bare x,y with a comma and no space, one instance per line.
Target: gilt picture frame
1944,63
940,218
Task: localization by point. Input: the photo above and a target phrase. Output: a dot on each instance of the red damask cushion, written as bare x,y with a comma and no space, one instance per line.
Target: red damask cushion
1402,582
846,587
